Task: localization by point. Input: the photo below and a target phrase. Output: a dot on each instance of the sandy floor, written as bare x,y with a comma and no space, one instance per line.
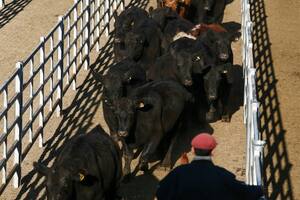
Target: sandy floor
83,108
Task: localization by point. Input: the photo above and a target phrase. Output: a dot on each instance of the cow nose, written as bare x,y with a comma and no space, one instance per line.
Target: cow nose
223,56
123,133
188,82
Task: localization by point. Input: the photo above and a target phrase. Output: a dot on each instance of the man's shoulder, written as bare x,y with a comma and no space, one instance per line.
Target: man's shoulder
225,172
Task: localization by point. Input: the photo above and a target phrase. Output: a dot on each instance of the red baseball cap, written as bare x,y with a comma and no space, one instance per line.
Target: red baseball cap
204,141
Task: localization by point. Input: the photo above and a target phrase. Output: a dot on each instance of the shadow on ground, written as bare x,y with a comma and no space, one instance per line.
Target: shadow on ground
11,10
276,161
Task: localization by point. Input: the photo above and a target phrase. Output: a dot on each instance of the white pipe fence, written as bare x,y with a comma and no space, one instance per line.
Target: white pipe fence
254,147
44,77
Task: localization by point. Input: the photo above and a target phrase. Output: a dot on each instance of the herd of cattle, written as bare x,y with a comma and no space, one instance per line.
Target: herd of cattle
171,57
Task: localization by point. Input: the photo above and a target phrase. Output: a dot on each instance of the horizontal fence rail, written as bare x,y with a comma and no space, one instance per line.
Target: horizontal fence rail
36,89
254,147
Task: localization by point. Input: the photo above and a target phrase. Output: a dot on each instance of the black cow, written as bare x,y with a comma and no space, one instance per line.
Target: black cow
182,60
143,42
217,85
124,23
147,116
207,11
219,44
89,167
118,81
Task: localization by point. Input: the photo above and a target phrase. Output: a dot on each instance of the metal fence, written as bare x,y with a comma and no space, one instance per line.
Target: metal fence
37,87
254,148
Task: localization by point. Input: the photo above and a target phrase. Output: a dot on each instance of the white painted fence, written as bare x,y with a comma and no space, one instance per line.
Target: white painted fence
37,87
254,162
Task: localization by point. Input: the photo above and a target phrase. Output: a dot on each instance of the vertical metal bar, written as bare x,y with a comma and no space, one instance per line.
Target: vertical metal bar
122,5
92,22
41,93
30,134
75,45
51,78
68,52
2,3
87,34
106,17
60,70
4,156
98,7
18,127
102,14
81,37
114,5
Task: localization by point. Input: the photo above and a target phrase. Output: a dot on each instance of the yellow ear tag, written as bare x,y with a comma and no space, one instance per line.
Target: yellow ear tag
81,176
225,71
141,105
132,23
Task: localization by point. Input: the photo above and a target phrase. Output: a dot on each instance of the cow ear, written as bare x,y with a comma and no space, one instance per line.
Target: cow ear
84,177
81,175
143,104
234,37
42,169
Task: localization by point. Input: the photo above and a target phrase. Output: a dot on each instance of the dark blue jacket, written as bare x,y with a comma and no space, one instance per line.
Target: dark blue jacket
201,179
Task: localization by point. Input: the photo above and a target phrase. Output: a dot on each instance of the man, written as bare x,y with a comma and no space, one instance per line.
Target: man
201,179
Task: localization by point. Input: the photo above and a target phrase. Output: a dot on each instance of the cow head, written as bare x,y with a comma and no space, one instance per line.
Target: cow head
63,183
114,83
186,59
219,42
134,44
212,80
125,111
162,15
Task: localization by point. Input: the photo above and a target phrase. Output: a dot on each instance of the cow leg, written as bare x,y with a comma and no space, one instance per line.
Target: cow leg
225,107
148,151
167,162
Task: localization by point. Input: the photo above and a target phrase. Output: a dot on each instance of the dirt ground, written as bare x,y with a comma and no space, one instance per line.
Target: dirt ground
83,109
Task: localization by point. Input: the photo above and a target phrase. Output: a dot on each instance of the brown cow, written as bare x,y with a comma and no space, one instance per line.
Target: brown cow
179,6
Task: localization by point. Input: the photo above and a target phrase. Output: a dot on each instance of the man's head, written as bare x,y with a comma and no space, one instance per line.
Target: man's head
203,144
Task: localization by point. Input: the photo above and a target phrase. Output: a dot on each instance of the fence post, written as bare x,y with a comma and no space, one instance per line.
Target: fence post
75,45
41,93
98,8
60,69
87,34
2,3
106,17
18,128
4,156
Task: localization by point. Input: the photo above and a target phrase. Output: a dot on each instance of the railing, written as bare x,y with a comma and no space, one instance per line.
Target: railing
37,87
254,162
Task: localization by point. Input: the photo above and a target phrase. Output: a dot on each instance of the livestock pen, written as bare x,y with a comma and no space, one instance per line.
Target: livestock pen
40,83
